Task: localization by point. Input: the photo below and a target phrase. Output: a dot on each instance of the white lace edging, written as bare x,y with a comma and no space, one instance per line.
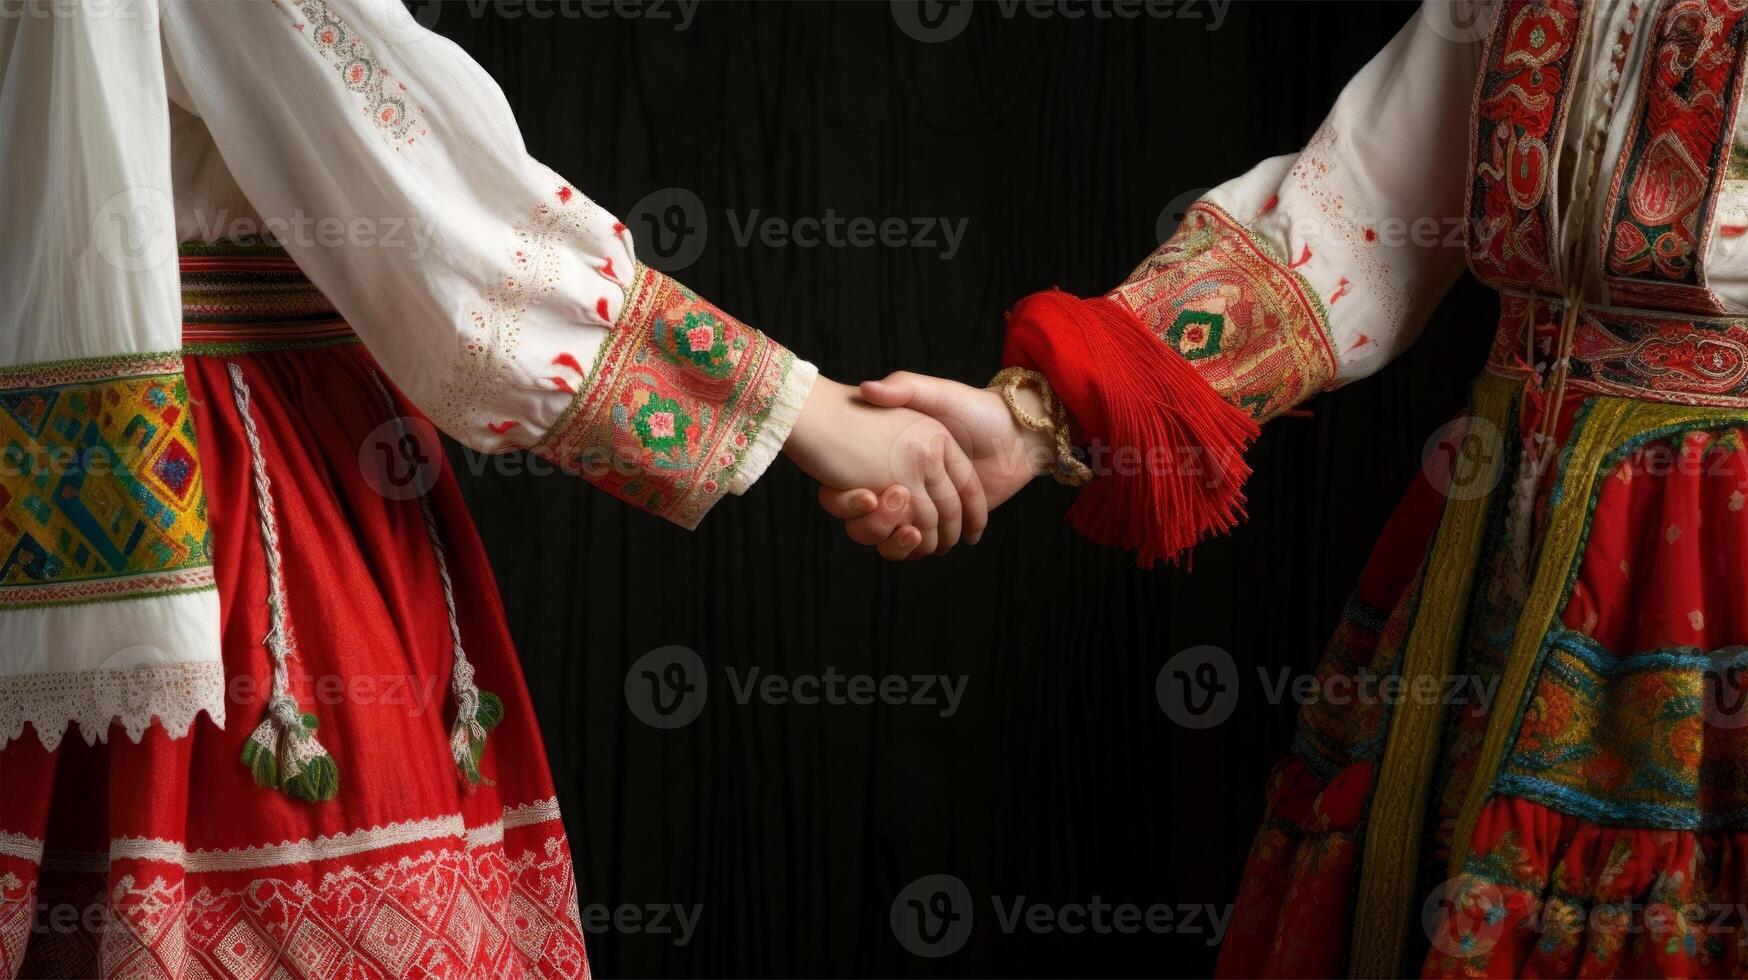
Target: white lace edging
785,409
172,693
21,846
309,850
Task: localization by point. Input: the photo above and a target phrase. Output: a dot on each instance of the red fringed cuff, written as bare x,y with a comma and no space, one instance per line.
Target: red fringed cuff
1166,451
1169,375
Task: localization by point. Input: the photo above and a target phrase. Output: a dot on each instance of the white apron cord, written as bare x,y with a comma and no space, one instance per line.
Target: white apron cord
476,711
1532,465
283,751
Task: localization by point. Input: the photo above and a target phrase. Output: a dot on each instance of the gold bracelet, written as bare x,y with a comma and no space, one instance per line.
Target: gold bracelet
1069,470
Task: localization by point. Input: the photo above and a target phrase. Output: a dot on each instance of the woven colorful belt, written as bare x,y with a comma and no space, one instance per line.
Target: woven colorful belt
1643,355
237,298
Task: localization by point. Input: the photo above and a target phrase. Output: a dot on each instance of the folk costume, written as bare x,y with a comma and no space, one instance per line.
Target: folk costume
1582,547
260,714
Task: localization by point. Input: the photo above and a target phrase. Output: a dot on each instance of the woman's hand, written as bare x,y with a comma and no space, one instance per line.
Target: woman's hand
1004,454
932,495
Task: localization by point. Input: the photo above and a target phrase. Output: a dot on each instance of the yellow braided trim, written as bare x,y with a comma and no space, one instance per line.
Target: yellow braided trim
1387,907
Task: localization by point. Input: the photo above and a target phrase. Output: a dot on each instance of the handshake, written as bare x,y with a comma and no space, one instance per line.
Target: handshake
913,464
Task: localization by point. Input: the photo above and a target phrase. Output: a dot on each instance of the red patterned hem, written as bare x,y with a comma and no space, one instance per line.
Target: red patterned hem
1295,906
1546,893
427,898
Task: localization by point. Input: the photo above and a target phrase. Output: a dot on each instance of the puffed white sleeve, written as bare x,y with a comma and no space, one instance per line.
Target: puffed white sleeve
1319,267
504,302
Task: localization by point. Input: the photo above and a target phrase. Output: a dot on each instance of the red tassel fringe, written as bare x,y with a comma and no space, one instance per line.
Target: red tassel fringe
1167,450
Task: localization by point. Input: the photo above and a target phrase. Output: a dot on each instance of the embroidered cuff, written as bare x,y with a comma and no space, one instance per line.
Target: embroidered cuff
785,409
1222,298
678,404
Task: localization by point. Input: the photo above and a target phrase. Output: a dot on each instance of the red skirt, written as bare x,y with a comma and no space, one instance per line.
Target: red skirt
1583,800
164,857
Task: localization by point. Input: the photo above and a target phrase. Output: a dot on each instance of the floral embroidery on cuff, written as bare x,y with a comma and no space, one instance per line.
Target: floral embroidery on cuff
1251,325
385,100
678,394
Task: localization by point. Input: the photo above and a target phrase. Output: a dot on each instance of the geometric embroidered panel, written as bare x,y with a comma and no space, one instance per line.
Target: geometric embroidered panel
101,496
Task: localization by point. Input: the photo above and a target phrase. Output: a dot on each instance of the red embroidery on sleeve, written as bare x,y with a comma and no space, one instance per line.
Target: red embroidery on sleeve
492,344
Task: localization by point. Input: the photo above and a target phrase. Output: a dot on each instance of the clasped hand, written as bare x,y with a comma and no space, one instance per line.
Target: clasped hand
913,464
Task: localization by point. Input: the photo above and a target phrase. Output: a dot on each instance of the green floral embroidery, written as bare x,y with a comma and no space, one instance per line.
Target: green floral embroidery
661,425
1196,334
698,340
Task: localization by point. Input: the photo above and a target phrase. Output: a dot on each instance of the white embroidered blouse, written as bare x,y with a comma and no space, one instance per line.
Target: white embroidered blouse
493,291
1589,154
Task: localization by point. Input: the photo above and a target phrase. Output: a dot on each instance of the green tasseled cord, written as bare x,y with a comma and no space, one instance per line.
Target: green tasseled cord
282,751
477,712
467,740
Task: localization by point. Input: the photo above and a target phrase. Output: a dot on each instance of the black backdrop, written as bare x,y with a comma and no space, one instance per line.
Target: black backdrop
1058,142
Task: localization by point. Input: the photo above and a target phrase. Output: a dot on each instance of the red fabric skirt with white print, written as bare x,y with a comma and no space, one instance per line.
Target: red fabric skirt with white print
163,857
